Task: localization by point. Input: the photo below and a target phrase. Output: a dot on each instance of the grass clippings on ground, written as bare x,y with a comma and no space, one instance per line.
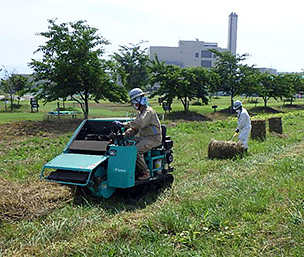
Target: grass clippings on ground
30,199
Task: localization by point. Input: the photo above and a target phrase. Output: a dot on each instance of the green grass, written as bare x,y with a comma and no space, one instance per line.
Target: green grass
245,207
106,109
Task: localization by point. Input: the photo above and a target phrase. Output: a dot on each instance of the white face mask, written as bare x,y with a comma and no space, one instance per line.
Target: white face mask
135,107
238,111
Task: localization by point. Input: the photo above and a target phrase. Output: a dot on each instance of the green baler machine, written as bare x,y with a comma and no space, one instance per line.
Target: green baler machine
99,158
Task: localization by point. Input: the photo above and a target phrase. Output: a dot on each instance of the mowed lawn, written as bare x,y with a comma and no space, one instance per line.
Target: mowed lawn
107,109
251,206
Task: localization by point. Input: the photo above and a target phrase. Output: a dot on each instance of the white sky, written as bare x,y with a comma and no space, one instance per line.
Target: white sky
271,31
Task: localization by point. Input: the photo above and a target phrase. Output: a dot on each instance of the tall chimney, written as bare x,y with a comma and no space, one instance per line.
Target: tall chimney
232,32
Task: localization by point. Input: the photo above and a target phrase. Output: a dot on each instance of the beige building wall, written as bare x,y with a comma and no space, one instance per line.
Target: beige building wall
187,54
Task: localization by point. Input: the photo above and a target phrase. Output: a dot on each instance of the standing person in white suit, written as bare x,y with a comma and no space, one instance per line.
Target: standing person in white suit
244,123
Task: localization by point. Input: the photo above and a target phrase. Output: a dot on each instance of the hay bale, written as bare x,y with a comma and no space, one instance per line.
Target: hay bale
224,149
30,199
258,129
275,125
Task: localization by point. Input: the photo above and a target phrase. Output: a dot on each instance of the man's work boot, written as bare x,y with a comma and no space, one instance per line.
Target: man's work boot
144,175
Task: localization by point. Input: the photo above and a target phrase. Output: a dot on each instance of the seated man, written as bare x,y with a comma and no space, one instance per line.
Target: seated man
147,125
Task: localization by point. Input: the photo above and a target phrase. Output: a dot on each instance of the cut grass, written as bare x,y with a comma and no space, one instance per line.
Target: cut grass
245,207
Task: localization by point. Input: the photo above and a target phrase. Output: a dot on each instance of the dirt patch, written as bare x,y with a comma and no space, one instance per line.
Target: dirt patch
38,128
189,116
30,199
293,106
253,111
264,110
226,111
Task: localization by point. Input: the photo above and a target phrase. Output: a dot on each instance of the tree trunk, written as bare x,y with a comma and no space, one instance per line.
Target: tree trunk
11,96
231,102
265,102
186,104
86,107
58,110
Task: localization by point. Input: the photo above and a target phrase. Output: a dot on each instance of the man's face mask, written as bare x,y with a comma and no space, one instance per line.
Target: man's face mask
135,103
142,100
238,111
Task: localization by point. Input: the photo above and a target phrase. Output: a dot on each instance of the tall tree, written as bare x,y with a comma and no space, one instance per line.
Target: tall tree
72,66
267,87
133,65
14,85
232,73
291,84
183,83
205,81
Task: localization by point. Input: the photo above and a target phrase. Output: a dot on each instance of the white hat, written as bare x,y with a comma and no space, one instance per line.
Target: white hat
136,92
237,104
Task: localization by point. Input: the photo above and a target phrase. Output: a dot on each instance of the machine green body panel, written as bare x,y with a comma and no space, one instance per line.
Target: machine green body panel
104,190
78,162
121,166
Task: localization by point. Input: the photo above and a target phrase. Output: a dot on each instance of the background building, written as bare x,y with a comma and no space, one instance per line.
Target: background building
268,70
187,54
195,53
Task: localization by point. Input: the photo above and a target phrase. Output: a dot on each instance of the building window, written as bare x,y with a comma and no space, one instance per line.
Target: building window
214,56
196,55
206,64
206,54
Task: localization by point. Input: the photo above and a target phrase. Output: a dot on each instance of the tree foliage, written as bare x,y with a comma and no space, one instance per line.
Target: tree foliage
185,84
291,84
14,85
71,66
267,87
133,65
234,75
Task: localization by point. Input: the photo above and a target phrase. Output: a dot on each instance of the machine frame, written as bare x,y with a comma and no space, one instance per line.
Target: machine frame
99,158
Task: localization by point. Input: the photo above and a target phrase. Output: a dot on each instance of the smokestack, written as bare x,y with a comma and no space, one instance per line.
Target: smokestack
232,32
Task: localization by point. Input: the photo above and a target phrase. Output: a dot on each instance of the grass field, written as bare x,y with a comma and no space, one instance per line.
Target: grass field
252,206
106,109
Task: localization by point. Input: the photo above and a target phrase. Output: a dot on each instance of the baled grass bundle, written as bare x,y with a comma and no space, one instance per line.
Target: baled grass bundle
275,125
258,129
224,149
31,199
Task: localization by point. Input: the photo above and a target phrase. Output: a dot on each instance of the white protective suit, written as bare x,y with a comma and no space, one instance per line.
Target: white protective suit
244,125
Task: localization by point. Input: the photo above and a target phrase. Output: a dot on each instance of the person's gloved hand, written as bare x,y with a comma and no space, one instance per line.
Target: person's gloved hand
237,130
117,124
